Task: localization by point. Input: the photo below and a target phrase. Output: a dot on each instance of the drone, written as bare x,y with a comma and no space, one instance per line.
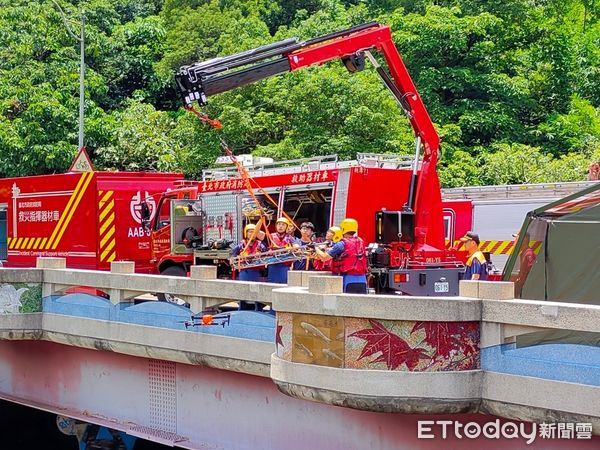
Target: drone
203,320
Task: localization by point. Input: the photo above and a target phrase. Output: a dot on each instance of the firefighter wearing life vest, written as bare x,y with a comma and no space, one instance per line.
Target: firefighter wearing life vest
277,273
349,258
332,237
249,246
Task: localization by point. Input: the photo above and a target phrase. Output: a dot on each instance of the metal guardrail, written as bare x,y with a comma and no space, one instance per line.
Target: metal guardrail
329,162
510,191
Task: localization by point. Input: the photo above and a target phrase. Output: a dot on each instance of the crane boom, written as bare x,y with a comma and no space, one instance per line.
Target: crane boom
197,82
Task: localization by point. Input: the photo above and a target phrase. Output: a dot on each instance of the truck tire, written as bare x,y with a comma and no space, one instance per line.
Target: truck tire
172,271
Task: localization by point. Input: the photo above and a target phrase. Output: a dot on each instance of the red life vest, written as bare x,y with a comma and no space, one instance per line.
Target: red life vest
281,241
354,259
252,248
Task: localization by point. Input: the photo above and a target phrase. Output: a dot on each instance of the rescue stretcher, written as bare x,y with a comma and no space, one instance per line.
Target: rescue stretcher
278,256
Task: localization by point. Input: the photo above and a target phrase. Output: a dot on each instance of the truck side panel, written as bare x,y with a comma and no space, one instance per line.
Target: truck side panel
119,232
370,190
52,215
89,218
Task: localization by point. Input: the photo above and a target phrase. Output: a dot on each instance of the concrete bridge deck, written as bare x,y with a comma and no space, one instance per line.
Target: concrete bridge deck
153,375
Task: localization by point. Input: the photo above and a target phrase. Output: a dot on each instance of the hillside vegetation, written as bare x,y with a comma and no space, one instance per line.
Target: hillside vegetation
513,86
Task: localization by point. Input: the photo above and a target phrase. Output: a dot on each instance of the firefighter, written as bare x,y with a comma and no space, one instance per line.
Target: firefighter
277,273
332,236
477,267
349,258
306,240
251,245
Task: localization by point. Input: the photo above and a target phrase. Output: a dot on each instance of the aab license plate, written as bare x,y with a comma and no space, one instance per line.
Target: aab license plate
441,287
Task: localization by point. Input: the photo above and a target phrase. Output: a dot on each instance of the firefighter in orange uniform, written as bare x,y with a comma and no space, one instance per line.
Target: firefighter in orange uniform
349,258
277,273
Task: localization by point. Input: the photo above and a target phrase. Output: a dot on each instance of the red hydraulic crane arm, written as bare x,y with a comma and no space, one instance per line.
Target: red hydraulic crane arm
199,81
378,37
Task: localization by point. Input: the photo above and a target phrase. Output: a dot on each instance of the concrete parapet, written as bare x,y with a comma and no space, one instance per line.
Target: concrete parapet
384,307
122,267
28,275
48,262
222,352
203,272
389,391
549,395
568,316
496,290
325,284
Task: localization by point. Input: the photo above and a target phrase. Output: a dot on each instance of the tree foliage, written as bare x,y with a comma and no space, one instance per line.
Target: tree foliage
513,86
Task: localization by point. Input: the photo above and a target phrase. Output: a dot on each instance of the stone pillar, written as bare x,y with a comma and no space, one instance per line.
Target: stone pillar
325,284
299,278
122,267
493,290
48,262
205,272
294,278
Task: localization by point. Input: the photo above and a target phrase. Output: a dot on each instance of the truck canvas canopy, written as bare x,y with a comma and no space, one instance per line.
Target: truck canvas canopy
558,258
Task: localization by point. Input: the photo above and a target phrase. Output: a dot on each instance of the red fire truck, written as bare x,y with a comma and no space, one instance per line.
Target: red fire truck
400,209
90,218
321,190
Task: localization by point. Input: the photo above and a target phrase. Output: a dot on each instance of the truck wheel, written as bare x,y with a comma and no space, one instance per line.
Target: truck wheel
172,271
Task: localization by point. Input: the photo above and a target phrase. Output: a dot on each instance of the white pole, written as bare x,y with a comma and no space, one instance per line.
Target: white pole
81,79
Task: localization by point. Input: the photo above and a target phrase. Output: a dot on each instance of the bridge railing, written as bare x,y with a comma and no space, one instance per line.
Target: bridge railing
201,289
374,352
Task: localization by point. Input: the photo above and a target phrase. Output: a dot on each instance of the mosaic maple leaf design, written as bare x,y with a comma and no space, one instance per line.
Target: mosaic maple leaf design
446,337
278,340
393,350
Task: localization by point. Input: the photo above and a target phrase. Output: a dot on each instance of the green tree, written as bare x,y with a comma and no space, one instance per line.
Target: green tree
141,141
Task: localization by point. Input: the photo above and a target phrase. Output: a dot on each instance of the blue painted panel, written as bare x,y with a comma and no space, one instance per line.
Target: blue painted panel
243,324
81,305
259,326
154,314
561,362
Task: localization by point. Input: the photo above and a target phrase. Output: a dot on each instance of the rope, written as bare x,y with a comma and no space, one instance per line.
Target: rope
247,180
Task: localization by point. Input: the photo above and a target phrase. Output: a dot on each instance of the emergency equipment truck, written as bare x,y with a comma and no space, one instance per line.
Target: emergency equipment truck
89,218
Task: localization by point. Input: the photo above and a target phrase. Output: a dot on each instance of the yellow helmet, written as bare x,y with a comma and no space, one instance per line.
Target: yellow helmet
337,233
285,220
349,226
247,228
